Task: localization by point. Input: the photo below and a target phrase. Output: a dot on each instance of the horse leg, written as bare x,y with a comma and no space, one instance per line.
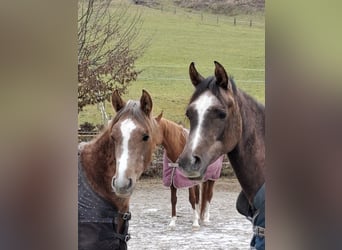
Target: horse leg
172,224
203,199
194,200
207,195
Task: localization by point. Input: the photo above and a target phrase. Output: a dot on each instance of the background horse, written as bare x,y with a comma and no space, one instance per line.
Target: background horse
109,167
225,120
174,139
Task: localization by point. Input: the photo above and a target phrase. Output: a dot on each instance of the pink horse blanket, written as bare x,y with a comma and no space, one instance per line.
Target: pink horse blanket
172,174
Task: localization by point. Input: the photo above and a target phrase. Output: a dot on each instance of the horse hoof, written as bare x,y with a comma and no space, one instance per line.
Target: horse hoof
195,227
172,224
206,222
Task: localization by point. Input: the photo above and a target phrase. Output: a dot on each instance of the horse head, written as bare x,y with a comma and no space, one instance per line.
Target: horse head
215,121
134,134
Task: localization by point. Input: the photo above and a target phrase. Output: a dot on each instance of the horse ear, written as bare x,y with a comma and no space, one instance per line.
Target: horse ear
221,76
158,118
195,77
117,101
146,102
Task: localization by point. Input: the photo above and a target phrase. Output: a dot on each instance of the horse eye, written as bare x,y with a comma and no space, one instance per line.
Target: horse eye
222,115
188,114
145,137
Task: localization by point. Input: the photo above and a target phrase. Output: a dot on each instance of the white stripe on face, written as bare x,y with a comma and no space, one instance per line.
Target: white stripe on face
126,129
201,105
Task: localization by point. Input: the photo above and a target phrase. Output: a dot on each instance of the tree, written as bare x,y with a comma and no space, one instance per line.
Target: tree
107,50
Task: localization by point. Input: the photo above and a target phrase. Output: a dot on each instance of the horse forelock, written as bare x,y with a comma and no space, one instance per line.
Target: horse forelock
133,111
202,87
210,83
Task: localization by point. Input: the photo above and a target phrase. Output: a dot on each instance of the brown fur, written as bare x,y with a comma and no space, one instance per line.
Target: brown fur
174,140
98,156
239,133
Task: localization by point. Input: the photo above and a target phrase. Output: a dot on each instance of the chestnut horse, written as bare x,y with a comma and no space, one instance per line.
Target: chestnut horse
226,120
109,167
174,139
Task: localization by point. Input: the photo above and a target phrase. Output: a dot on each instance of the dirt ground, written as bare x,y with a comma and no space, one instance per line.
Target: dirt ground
151,213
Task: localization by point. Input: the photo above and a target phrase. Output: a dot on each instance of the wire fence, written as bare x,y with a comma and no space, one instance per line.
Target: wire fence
211,19
186,79
156,77
249,24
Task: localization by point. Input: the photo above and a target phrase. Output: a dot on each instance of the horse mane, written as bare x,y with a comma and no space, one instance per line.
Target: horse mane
99,164
252,106
174,138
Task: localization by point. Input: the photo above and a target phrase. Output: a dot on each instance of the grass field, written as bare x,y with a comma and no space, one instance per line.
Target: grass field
180,37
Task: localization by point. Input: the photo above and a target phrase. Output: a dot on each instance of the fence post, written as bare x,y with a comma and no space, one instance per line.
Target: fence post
234,21
201,16
217,19
250,23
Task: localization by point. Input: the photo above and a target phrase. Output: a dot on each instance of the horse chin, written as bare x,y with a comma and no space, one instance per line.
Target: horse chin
123,195
193,175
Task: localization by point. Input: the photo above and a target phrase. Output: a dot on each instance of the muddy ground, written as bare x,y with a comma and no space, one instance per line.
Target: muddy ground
151,213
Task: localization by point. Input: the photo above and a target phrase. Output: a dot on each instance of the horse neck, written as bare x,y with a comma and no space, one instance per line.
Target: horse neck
174,139
98,161
248,157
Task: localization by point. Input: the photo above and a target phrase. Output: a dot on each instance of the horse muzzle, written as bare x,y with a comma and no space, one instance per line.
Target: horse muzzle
191,167
123,187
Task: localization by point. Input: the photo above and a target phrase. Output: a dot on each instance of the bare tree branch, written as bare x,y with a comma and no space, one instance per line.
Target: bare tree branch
107,49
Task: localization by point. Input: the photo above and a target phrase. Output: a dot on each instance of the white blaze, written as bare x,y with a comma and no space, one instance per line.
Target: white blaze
126,129
201,105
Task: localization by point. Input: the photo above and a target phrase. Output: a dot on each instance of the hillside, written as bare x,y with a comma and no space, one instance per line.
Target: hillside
226,7
179,37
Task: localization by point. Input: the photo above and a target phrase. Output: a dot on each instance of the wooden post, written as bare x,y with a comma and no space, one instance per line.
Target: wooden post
201,16
250,23
234,21
217,19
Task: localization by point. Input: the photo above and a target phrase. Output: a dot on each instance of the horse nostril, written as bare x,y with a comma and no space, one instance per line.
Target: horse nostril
130,183
196,160
113,181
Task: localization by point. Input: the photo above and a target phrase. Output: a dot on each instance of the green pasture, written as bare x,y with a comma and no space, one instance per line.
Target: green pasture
179,37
